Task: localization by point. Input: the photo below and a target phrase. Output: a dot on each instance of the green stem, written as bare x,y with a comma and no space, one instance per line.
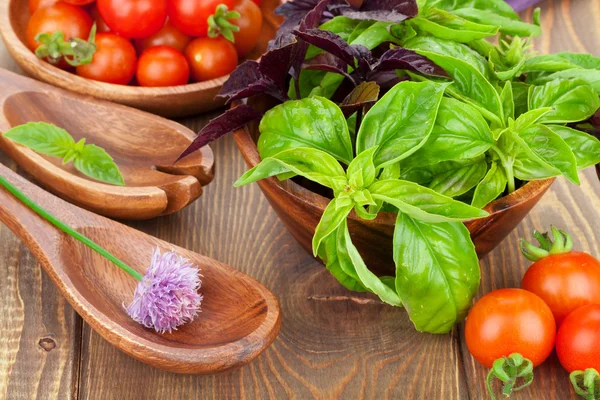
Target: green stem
67,229
508,370
508,168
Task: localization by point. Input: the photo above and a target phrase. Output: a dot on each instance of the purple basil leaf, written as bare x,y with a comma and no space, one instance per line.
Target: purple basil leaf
393,11
400,58
334,44
520,5
275,65
330,63
230,121
387,79
247,81
364,95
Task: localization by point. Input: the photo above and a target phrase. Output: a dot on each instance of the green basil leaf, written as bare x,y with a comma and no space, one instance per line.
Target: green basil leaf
95,162
507,26
313,122
315,165
339,264
551,149
309,79
361,171
470,85
328,85
499,7
508,102
530,117
572,100
332,217
591,76
341,26
376,34
582,60
547,62
454,183
424,175
400,122
42,138
445,25
437,272
492,186
520,97
423,203
367,278
586,148
451,49
460,132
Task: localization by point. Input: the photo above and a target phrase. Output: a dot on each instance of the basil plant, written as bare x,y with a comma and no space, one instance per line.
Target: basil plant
458,122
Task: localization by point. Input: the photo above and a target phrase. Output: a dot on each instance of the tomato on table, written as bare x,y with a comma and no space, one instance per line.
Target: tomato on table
578,339
167,36
114,60
191,16
250,24
566,280
72,21
162,66
510,331
134,19
210,58
34,5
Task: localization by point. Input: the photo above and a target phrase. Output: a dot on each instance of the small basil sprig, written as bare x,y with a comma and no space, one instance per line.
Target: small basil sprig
53,141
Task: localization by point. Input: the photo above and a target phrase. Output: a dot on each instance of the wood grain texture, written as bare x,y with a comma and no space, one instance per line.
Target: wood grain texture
169,101
333,343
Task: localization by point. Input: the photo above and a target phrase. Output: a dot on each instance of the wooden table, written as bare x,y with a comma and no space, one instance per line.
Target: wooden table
333,343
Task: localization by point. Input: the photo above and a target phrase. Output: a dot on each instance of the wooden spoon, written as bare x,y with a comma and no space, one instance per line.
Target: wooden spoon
239,319
143,145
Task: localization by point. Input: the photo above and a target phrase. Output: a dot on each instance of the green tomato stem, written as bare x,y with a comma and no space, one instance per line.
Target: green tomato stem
508,370
586,383
67,229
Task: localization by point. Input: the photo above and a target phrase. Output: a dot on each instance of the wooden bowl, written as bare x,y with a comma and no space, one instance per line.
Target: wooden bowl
175,101
300,210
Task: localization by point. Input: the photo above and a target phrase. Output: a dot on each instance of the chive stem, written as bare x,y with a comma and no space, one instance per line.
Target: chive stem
67,229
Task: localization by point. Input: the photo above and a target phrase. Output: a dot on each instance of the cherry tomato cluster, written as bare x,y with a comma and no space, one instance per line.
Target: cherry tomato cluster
513,330
148,42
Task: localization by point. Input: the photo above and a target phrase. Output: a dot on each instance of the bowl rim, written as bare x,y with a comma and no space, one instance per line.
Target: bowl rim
249,151
110,91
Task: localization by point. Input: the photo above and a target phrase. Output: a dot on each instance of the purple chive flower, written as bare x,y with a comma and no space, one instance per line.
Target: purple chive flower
167,296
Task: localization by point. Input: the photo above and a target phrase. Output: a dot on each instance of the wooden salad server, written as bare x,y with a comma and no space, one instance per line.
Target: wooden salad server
143,145
239,318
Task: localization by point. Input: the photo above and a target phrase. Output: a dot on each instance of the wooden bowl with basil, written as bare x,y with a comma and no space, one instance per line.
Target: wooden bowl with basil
170,101
300,207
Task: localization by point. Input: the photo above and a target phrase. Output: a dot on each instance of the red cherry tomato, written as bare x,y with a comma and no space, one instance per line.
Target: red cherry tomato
210,58
510,321
34,5
100,24
78,2
250,24
135,19
565,282
167,36
578,339
72,21
162,66
190,16
114,60
257,2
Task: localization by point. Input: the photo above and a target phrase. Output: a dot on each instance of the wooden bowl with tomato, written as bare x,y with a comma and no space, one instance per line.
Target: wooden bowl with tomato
300,207
131,71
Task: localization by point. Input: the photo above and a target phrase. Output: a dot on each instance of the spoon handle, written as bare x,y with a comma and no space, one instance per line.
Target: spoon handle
39,235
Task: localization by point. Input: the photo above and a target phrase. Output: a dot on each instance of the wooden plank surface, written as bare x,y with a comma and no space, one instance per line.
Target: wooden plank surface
333,343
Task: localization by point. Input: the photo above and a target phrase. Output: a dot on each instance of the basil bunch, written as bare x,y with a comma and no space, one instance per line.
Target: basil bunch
434,148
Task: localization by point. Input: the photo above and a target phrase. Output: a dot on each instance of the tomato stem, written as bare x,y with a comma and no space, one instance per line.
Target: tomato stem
586,383
74,51
219,25
560,243
508,370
